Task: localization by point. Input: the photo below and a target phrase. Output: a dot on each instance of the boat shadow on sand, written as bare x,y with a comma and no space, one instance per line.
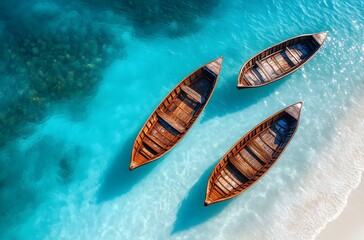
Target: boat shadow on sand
192,211
118,179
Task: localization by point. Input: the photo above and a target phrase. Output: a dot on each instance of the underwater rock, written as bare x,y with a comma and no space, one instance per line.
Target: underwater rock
35,50
90,65
65,171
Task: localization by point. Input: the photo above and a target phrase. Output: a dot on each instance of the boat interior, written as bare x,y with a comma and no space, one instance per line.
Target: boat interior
281,59
177,113
248,162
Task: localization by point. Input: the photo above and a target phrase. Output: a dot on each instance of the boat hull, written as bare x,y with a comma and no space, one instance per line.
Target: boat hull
253,155
280,60
175,115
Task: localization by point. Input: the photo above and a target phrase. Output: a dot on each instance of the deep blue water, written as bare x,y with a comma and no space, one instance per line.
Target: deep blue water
79,78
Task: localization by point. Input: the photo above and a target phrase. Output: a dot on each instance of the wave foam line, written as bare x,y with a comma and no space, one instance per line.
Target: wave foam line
351,151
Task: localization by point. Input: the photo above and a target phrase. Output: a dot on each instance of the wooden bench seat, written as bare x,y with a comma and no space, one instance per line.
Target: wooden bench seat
255,72
171,121
294,56
147,154
282,62
231,179
269,68
264,145
246,81
249,159
160,130
157,141
259,152
243,170
273,66
264,71
277,64
152,145
268,137
225,183
251,78
193,94
222,190
187,109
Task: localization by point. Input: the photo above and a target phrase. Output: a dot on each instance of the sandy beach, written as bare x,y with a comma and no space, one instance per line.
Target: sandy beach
349,224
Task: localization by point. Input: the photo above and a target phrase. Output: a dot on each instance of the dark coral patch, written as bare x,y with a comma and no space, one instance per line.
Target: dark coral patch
170,17
49,56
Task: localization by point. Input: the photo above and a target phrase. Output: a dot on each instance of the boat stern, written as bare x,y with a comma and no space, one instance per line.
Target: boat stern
207,202
211,194
211,199
136,160
132,165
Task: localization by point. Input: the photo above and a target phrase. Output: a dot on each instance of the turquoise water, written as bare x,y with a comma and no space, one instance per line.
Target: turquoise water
79,79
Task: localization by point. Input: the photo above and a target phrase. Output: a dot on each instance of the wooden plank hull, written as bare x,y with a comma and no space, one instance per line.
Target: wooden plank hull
253,155
280,60
175,115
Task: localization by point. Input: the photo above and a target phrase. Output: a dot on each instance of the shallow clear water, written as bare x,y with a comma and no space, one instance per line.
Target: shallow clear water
79,78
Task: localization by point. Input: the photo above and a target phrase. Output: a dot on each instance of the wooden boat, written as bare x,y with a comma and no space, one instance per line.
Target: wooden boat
175,115
253,155
280,60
